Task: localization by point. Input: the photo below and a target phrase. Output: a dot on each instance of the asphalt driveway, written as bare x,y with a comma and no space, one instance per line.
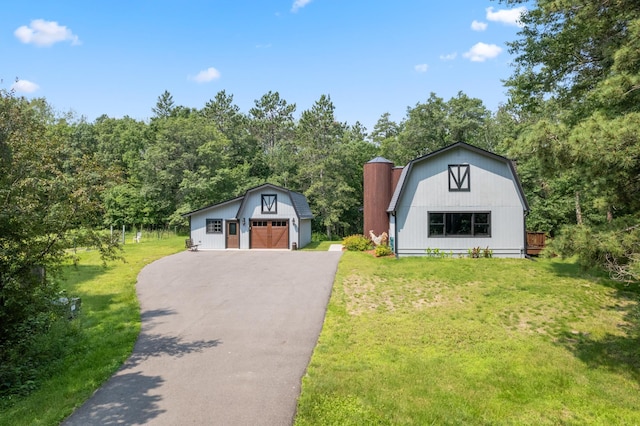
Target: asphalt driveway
226,337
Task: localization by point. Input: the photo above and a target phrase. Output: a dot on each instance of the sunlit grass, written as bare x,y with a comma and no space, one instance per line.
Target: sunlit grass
320,245
473,341
110,323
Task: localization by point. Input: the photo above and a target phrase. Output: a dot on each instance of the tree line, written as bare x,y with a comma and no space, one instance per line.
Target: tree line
185,158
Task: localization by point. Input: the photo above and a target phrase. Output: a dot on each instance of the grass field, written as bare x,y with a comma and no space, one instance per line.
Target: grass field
109,323
320,245
420,341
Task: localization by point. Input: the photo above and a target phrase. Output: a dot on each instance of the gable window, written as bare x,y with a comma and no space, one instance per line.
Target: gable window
214,226
269,203
462,224
459,179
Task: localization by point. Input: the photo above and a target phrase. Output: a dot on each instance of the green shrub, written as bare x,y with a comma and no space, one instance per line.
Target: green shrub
383,250
357,243
436,252
24,363
478,252
318,237
613,247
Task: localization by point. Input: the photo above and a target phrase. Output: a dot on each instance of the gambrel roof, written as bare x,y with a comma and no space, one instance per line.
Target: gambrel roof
406,171
298,200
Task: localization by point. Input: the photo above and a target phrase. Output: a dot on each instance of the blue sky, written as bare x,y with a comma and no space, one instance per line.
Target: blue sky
371,57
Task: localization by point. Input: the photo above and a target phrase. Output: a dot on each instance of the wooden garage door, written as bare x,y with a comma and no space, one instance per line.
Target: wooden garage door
270,234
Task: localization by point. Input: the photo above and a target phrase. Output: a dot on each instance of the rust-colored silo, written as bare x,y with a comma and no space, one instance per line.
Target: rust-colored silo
377,195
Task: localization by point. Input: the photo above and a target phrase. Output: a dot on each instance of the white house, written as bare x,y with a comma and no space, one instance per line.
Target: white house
267,216
453,200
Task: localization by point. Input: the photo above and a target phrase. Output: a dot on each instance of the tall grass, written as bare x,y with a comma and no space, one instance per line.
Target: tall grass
473,341
108,326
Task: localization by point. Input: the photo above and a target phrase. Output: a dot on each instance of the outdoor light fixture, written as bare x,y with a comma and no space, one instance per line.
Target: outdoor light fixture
244,222
293,221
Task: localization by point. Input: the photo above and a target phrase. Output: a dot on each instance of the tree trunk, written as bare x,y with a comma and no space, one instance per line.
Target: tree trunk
578,209
609,214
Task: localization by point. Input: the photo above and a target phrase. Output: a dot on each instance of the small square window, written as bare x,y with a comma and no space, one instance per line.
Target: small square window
214,226
269,203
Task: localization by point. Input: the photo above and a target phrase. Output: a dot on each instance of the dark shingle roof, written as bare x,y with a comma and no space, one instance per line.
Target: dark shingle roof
301,205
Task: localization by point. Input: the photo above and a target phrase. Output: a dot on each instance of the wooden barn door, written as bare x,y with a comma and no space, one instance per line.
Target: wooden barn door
279,234
270,234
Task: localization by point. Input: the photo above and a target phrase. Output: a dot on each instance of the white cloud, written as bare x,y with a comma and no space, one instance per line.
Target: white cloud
206,76
45,33
449,56
421,68
299,4
24,86
480,52
506,16
478,26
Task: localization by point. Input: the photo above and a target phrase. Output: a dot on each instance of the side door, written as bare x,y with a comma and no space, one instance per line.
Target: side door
233,234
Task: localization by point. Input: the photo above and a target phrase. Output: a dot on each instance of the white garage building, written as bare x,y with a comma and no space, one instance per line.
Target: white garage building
265,217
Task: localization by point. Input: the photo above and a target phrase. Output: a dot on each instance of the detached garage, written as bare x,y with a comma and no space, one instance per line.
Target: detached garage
265,217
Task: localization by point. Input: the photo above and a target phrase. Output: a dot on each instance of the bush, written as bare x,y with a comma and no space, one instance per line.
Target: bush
613,247
357,243
383,250
318,237
43,341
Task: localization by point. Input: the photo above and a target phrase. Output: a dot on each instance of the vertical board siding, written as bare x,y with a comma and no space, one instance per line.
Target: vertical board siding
252,209
492,189
285,211
199,225
253,206
305,232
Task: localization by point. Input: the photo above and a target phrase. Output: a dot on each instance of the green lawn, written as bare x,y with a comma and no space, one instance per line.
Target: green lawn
320,245
474,341
110,323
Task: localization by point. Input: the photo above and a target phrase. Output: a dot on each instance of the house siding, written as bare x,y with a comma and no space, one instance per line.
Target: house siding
247,208
253,210
304,233
253,205
199,228
493,188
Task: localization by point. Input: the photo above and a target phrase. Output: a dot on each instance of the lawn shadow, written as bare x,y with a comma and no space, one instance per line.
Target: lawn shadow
619,352
73,275
574,270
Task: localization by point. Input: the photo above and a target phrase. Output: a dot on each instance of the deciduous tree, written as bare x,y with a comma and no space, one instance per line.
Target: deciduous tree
47,194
